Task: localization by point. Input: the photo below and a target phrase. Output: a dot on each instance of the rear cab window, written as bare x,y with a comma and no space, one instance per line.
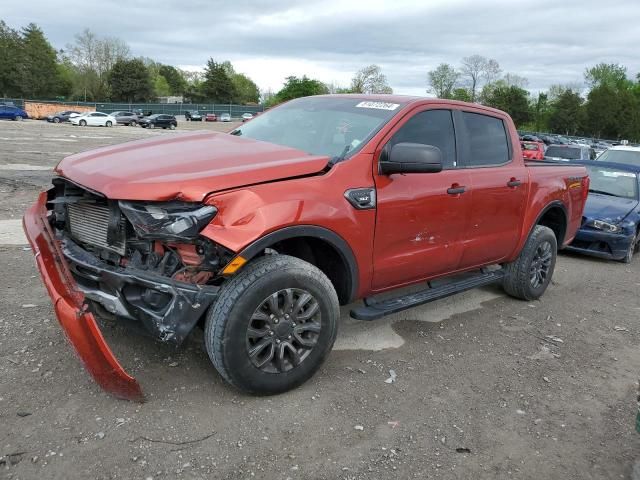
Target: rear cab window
486,142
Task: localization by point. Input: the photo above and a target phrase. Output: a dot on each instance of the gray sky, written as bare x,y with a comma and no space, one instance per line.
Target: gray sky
546,41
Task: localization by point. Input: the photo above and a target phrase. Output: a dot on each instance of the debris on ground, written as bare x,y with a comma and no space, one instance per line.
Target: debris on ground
358,427
392,377
620,329
553,338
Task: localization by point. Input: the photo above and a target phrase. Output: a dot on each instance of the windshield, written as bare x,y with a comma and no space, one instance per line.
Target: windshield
331,126
627,157
563,152
609,181
530,146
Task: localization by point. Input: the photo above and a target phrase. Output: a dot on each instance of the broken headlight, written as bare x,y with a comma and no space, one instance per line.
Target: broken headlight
167,220
605,226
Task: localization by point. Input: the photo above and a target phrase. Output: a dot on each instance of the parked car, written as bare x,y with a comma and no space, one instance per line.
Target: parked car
261,233
192,115
569,152
246,116
530,138
210,117
225,117
621,154
62,116
159,120
611,219
533,150
94,119
126,118
11,112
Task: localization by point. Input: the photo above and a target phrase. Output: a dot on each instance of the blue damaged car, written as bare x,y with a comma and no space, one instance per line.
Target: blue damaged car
611,219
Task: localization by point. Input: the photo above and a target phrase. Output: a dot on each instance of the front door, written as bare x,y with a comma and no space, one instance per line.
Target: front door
420,217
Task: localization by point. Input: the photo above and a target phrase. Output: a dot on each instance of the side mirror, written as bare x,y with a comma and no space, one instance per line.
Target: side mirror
411,158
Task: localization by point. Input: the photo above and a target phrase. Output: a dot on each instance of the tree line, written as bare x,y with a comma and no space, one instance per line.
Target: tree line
99,69
610,109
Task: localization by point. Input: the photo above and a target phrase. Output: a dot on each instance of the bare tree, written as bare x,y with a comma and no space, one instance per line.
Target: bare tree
513,80
370,80
443,80
477,68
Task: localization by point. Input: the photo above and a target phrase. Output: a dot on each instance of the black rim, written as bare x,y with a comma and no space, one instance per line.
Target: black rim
541,264
283,330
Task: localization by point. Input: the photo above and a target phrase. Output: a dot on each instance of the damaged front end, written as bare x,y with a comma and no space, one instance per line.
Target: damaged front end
142,262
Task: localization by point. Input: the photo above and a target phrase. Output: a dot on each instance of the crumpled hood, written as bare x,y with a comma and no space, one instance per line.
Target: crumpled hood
185,166
608,208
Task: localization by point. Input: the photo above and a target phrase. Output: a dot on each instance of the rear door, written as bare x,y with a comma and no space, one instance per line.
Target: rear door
498,187
420,217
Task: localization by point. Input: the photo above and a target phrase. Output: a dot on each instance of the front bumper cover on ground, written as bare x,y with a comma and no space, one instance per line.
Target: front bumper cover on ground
53,259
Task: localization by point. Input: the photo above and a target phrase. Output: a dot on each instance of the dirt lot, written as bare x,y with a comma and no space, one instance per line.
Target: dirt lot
481,390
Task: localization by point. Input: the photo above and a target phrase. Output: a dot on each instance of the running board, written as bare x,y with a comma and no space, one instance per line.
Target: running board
374,309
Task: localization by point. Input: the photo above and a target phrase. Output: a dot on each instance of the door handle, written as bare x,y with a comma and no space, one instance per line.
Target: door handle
514,183
456,189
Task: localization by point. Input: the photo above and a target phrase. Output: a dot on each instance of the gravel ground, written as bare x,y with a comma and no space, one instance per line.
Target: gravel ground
487,386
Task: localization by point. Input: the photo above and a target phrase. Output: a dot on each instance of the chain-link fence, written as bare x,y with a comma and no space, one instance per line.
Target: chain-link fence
169,108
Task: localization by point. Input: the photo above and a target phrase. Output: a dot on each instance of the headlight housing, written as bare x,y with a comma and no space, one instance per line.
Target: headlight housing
605,226
167,220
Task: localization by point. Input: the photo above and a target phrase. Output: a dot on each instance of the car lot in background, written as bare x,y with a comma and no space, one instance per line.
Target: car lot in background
159,120
225,117
126,118
611,220
94,119
567,153
62,116
621,154
193,116
11,112
211,117
246,116
532,150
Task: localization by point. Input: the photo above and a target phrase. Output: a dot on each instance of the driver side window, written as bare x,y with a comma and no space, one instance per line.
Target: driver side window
431,127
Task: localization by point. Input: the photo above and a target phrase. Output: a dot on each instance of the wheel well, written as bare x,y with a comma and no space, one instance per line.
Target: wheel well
323,255
556,220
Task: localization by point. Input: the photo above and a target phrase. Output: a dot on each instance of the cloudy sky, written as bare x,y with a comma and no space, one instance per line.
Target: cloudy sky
546,41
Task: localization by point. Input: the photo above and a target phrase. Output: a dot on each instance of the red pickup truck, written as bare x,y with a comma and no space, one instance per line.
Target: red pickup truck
259,235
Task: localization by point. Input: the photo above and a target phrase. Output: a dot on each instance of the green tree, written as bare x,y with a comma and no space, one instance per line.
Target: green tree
161,87
612,75
509,98
175,79
296,87
443,80
217,86
130,81
566,113
10,61
462,94
540,110
246,90
370,79
39,73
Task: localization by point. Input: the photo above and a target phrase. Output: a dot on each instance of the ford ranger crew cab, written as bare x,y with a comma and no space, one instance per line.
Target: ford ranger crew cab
259,235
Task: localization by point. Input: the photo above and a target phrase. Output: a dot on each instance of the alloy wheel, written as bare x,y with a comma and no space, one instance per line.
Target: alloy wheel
541,264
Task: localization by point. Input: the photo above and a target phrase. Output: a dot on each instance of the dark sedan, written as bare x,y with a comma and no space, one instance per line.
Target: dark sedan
63,116
567,153
159,120
611,218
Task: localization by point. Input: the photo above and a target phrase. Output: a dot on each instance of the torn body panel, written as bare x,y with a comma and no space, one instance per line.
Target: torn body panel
79,325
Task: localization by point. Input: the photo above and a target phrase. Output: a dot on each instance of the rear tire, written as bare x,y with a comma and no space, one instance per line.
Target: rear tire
133,123
292,309
18,118
172,126
529,275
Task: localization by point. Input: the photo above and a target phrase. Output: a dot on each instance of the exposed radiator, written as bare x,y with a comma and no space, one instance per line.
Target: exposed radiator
89,223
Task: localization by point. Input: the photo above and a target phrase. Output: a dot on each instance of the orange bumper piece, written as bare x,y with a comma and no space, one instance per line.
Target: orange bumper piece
79,324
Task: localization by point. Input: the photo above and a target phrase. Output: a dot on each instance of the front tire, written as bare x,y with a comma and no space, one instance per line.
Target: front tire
56,120
529,275
273,325
109,124
172,126
632,249
133,123
83,123
18,118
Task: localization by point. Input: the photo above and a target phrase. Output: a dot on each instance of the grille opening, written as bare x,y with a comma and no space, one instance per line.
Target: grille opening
89,223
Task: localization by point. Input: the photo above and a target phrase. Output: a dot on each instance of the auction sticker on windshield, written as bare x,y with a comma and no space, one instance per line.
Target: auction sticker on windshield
378,105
